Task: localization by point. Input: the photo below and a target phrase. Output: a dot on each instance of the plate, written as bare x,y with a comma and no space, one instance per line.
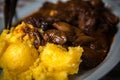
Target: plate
113,56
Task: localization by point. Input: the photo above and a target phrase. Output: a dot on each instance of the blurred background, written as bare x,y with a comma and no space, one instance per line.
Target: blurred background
114,74
21,4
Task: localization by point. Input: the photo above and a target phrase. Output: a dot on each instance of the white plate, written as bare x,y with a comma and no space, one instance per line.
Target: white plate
113,56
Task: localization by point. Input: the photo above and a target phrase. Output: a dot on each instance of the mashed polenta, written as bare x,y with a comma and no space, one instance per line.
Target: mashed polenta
20,60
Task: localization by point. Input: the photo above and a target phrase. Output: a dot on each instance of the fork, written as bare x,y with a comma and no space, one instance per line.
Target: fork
9,12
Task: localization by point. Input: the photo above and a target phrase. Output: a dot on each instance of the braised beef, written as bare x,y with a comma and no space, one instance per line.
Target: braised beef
62,26
55,36
76,22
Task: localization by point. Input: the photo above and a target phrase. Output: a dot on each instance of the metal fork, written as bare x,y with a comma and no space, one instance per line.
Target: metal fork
9,12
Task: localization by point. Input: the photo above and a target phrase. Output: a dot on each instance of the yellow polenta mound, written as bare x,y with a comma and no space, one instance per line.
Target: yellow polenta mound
20,60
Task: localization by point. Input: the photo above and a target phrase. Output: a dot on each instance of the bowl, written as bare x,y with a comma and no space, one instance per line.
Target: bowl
113,56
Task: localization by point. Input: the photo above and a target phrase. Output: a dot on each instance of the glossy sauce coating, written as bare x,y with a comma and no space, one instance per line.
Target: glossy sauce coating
77,22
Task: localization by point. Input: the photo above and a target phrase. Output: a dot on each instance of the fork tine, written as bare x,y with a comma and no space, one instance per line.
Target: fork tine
9,12
12,12
6,13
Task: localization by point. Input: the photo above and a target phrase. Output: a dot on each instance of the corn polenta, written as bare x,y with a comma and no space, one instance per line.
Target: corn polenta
20,60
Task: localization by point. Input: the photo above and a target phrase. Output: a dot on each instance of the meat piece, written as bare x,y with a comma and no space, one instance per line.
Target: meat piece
77,22
55,36
33,20
83,40
37,37
38,21
110,17
97,3
87,21
90,61
62,26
